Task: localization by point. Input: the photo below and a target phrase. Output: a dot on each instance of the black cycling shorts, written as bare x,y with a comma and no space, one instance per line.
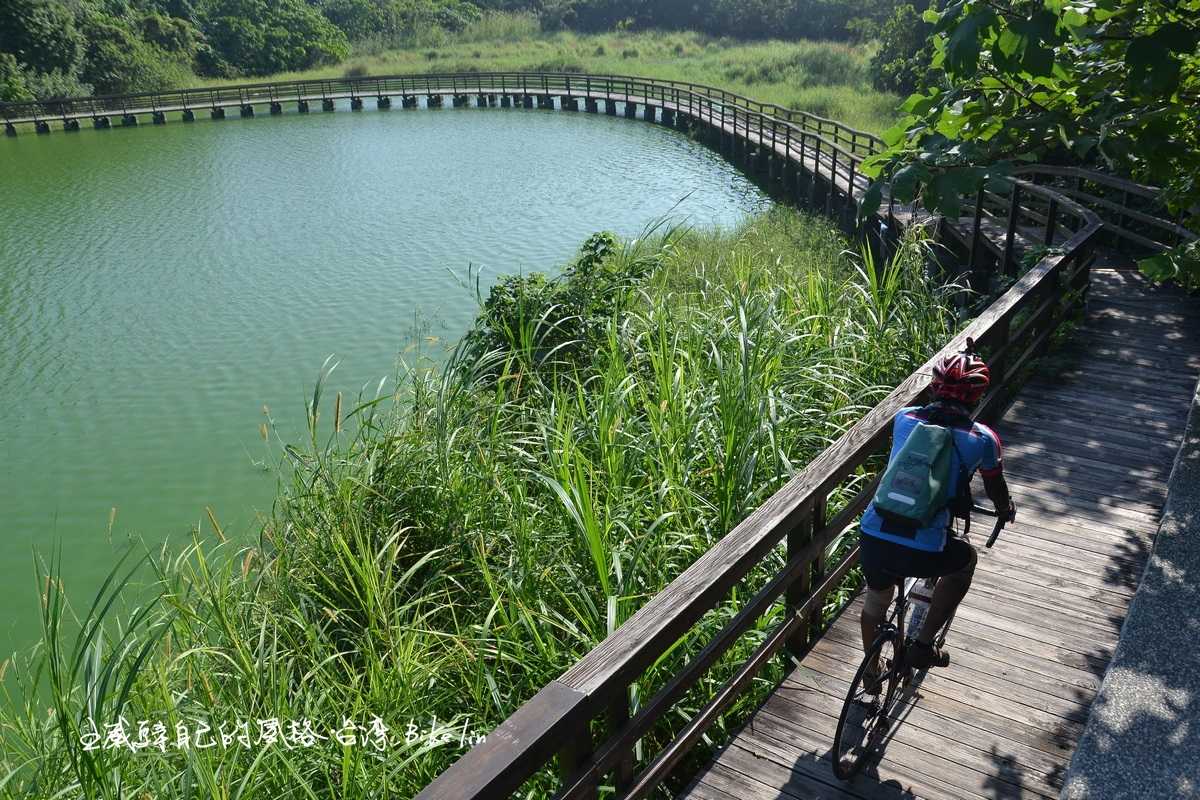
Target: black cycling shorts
883,562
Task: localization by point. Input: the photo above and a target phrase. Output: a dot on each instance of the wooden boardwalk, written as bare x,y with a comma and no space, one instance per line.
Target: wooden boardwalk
1088,448
1090,443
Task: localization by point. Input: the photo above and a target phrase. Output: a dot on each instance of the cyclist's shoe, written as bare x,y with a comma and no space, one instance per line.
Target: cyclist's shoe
920,656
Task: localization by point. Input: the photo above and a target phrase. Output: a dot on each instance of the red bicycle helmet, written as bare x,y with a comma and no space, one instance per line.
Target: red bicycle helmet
963,377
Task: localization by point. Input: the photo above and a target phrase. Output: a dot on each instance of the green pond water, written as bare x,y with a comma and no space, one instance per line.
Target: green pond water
160,286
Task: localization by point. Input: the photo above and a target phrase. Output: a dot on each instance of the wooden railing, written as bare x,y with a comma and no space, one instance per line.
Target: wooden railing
583,722
853,141
558,722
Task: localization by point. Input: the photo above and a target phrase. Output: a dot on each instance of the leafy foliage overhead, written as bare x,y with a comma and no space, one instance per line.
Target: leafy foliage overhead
1111,84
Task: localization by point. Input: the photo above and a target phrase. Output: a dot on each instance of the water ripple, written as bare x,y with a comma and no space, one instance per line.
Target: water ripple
159,285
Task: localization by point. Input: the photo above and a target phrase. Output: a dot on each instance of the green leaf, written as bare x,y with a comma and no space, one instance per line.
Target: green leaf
895,134
962,49
1152,60
947,18
1038,61
930,16
1010,42
873,165
1074,19
904,182
1157,268
871,201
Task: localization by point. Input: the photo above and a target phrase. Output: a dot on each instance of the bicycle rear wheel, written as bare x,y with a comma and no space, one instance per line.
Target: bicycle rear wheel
864,719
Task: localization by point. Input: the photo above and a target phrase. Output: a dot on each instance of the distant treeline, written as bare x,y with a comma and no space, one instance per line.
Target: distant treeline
54,48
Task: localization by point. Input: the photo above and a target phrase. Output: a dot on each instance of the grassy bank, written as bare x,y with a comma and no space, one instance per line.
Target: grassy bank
825,78
446,550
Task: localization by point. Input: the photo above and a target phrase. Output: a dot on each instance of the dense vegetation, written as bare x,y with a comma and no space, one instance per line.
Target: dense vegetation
54,48
1112,85
446,550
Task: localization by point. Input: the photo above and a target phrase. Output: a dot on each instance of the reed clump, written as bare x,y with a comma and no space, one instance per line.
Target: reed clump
443,551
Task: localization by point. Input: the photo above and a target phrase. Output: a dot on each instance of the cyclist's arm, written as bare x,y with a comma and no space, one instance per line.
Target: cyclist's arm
991,469
997,491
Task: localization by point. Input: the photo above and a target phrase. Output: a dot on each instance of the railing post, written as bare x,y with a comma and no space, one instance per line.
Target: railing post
832,185
1051,215
794,597
573,756
1014,213
813,625
976,240
616,717
851,201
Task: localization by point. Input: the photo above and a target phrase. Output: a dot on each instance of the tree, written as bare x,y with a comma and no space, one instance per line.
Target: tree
12,80
41,34
1112,84
905,53
172,34
358,19
118,61
260,38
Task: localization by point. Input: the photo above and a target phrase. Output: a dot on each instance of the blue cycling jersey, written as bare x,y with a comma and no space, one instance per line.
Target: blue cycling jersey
975,443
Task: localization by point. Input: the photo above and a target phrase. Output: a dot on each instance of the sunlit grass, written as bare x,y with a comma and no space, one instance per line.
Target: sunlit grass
446,550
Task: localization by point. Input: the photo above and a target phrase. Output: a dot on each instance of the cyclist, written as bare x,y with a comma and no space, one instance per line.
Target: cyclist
890,550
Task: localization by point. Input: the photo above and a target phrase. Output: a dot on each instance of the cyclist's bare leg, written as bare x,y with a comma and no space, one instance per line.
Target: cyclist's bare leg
874,612
948,593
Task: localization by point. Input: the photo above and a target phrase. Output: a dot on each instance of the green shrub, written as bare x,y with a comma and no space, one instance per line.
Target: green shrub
118,61
259,38
903,62
13,87
41,34
535,317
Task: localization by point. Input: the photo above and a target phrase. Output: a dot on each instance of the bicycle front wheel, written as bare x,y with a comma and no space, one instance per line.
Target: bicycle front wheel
864,719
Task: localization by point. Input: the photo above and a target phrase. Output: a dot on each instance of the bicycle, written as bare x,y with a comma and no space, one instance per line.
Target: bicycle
865,711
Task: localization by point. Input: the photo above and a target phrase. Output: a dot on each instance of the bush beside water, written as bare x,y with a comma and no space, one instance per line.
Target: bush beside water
447,549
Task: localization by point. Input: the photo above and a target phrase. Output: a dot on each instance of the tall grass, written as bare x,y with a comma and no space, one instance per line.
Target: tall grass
446,550
502,26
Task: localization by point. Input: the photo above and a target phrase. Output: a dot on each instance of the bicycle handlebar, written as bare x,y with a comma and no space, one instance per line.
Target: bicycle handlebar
991,512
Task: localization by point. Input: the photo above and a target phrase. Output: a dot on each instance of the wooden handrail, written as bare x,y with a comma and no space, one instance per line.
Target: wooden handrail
834,134
600,680
557,723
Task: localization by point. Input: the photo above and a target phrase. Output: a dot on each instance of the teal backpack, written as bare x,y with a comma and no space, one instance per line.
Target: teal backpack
916,484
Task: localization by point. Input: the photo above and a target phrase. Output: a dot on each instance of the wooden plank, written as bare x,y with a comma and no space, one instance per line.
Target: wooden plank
1045,498
839,643
839,661
983,641
793,740
1103,550
808,719
808,681
1082,438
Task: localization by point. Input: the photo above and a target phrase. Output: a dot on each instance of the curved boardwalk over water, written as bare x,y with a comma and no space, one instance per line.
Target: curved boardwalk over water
1090,431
